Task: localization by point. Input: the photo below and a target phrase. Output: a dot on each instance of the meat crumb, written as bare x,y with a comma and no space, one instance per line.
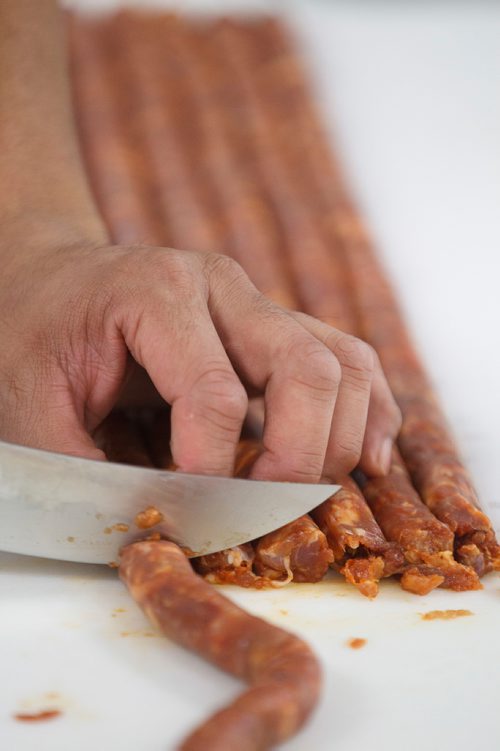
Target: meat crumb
148,518
120,527
356,643
444,615
116,528
44,714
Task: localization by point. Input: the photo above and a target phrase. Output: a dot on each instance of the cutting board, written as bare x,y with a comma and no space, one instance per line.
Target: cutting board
411,90
71,639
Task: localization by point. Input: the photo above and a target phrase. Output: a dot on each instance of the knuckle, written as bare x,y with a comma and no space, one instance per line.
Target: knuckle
346,452
293,464
317,367
356,354
223,393
218,266
395,417
146,269
174,266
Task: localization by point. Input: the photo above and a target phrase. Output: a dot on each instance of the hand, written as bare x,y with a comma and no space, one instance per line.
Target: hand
74,319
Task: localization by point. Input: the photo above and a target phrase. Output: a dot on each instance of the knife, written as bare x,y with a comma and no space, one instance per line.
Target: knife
73,509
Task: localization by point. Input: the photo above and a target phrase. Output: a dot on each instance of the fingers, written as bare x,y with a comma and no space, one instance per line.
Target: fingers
382,427
202,322
366,419
173,337
275,354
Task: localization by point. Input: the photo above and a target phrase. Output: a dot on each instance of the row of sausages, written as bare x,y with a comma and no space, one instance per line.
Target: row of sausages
205,136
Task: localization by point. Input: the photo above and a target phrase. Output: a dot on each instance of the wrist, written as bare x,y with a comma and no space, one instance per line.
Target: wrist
34,232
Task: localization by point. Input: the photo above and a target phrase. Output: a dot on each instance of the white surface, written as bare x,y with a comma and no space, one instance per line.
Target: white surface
414,92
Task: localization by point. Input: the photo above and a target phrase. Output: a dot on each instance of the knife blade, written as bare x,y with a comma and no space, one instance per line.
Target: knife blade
68,508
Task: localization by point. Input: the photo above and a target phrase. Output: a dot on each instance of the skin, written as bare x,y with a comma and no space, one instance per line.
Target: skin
82,320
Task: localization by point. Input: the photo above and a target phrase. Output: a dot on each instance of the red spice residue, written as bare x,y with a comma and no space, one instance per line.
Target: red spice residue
44,714
444,615
356,643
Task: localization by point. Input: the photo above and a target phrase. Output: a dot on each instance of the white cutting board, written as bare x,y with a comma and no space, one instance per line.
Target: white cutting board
416,684
413,88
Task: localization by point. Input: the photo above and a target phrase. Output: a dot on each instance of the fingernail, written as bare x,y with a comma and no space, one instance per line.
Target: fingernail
385,455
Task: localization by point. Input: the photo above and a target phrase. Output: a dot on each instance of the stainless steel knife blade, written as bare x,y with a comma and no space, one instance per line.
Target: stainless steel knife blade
58,506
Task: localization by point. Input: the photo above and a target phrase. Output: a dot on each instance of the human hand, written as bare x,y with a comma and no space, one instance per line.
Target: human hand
75,318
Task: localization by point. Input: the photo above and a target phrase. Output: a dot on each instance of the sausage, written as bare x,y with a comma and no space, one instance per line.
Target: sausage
402,515
425,443
230,566
445,484
119,176
160,111
426,542
251,232
361,552
318,279
297,551
283,674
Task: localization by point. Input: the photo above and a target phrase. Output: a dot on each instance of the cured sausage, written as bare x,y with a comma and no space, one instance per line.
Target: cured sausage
121,181
251,234
283,674
425,442
318,279
426,542
361,552
298,551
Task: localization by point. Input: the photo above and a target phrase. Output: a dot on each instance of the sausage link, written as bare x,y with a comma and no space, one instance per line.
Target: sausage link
362,554
282,671
426,542
297,551
117,166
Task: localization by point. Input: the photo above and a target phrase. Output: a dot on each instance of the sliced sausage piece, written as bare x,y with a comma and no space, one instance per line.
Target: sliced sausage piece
283,674
298,551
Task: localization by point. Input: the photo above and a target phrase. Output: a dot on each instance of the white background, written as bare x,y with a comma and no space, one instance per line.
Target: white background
412,91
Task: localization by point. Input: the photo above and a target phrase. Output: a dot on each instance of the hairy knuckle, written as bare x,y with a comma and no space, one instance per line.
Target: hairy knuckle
218,266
